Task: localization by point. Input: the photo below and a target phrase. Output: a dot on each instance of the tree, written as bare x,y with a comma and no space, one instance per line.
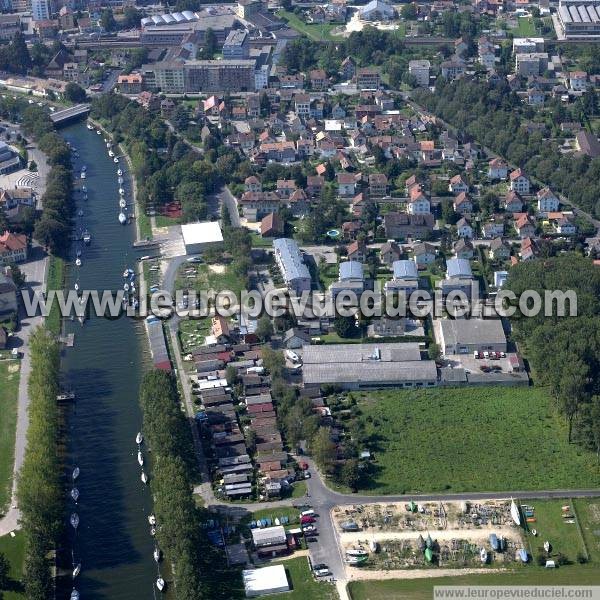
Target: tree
434,351
264,328
345,327
350,474
74,92
4,571
180,117
231,375
107,20
132,17
409,12
323,449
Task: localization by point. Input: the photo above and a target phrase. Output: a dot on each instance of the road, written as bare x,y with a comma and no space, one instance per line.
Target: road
35,272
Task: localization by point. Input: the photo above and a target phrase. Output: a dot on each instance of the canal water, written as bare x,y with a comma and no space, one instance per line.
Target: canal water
104,368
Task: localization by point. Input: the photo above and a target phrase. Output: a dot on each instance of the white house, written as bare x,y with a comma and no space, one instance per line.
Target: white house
464,229
458,185
418,204
497,169
519,182
547,201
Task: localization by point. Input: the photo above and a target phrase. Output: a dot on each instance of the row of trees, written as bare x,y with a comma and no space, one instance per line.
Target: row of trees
39,487
179,532
491,114
54,226
565,352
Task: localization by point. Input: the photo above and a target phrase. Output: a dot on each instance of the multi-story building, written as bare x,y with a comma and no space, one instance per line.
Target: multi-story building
9,25
579,18
237,45
41,10
533,63
419,69
368,79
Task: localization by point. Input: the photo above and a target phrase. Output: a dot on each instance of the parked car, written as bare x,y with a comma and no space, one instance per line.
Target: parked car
306,520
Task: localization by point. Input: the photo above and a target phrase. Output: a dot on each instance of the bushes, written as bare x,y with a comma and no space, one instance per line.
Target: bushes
179,531
39,489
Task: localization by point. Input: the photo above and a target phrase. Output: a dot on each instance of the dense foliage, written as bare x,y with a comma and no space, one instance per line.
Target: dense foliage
179,532
39,487
565,352
492,115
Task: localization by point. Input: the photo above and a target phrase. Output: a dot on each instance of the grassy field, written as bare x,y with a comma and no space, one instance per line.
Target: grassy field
13,549
55,281
145,225
422,589
526,27
317,32
563,537
162,221
588,512
303,584
484,439
9,376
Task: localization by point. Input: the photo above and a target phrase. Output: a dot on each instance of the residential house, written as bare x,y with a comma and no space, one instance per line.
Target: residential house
348,68
314,185
451,69
525,226
285,188
272,226
8,295
252,184
519,182
357,251
389,253
256,205
220,329
405,276
464,228
462,204
402,225
368,78
351,278
346,183
299,203
547,201
130,84
578,81
13,248
424,254
499,249
529,249
377,185
295,338
418,203
497,169
460,47
458,185
463,248
493,228
512,202
563,226
318,79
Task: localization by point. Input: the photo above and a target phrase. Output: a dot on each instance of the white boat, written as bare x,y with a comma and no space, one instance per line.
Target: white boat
82,175
77,570
126,287
75,473
83,189
514,512
356,552
119,172
122,218
98,132
74,520
108,144
160,584
483,555
547,546
152,519
156,555
121,191
83,168
76,286
373,546
87,237
78,253
75,494
534,532
120,180
111,153
152,531
80,213
140,459
122,203
115,159
144,477
90,127
74,594
78,262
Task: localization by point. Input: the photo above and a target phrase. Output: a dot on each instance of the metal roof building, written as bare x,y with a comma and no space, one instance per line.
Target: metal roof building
458,267
291,264
351,269
462,336
268,580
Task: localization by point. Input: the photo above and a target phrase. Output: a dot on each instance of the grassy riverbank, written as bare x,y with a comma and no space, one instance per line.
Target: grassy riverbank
55,281
13,549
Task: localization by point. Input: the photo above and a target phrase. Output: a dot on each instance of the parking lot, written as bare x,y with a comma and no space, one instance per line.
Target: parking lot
479,365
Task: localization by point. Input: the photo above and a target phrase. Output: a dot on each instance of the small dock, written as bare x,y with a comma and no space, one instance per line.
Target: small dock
146,244
68,340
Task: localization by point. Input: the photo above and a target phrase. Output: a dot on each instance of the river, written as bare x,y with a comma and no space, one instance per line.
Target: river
104,368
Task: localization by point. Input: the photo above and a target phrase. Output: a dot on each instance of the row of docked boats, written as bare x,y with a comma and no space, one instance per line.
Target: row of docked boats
74,520
156,554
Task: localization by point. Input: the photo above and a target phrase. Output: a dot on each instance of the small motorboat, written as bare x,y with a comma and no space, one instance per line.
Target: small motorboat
483,555
76,570
82,175
87,237
121,191
90,127
120,180
80,213
75,473
119,172
115,159
122,203
74,594
523,556
355,561
494,541
144,477
126,287
98,132
152,531
152,519
85,196
547,546
78,262
373,546
428,555
140,459
76,286
160,584
74,520
156,555
122,218
83,189
75,494
78,253
111,153
83,168
356,552
108,143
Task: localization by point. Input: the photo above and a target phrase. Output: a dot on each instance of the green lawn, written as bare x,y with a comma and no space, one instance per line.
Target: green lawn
477,438
526,27
55,281
563,537
422,589
192,333
13,549
588,512
316,32
162,221
145,225
303,584
9,378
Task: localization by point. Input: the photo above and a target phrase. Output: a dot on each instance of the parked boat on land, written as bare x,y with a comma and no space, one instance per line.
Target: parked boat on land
514,512
483,555
356,552
494,541
523,556
547,546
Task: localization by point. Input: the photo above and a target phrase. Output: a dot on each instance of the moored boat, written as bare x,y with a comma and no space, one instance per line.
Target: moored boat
75,473
76,570
75,494
152,519
82,175
74,520
144,477
115,159
87,237
156,555
160,584
140,458
139,438
119,172
122,218
78,262
74,594
122,203
90,127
